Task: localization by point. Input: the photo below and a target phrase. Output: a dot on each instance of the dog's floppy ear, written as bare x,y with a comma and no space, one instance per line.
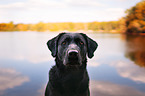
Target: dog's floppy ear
91,45
52,44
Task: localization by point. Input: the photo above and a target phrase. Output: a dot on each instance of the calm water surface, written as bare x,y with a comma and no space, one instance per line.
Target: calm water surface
117,69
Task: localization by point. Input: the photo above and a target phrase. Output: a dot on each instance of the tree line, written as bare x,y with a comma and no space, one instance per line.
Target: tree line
133,22
112,26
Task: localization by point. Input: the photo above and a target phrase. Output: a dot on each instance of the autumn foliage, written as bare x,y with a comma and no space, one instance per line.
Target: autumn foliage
112,26
133,22
135,19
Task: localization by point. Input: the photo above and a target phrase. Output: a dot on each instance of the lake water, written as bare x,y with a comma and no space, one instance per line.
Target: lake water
117,68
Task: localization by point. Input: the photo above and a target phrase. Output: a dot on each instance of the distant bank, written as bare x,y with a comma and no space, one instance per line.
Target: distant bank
133,22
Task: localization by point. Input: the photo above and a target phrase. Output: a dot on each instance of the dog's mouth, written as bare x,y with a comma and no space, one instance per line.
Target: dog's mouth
73,60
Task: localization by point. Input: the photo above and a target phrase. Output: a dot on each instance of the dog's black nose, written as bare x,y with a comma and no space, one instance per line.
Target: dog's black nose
72,53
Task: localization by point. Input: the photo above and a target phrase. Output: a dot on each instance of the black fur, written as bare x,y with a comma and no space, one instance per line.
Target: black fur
70,77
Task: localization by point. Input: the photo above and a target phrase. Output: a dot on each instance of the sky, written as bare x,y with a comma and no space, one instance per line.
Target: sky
34,11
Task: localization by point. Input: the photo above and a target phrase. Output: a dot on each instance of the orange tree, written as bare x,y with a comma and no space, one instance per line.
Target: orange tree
135,19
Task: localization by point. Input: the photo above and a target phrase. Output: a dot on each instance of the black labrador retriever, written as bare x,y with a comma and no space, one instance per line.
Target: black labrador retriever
69,76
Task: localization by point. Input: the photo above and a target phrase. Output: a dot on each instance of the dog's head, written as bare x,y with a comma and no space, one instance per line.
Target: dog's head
71,48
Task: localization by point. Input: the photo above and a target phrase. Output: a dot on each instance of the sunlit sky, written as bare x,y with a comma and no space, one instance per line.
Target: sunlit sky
34,11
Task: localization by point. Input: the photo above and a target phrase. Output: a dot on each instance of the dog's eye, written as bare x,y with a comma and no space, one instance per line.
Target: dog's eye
64,43
81,43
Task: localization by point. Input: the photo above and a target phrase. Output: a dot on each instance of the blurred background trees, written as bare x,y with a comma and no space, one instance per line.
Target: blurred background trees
112,26
135,19
133,22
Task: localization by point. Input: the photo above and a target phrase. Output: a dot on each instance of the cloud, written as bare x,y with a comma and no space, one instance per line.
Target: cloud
101,88
84,3
93,63
36,4
110,14
10,78
41,91
30,47
12,5
33,11
129,70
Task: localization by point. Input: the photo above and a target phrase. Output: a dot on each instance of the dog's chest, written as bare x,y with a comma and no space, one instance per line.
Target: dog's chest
72,81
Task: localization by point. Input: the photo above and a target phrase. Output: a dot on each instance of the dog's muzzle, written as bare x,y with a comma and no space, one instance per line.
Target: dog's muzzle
73,57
